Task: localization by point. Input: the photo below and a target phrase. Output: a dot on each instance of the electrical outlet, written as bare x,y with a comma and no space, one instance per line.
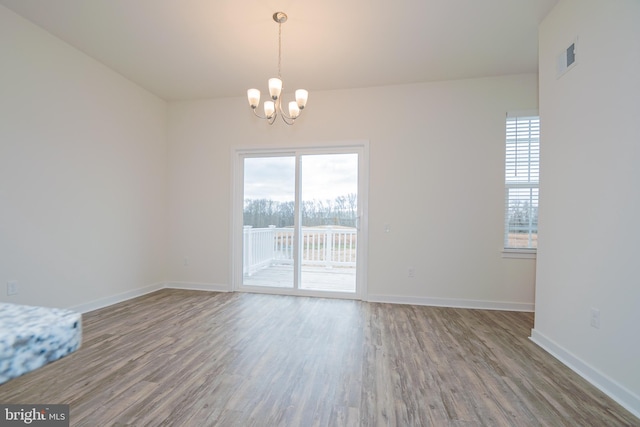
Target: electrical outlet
595,318
185,261
411,272
12,287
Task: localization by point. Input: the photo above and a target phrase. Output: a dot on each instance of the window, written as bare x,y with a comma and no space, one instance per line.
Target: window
522,174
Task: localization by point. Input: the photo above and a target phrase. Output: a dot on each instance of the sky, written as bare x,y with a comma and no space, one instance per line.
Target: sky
324,176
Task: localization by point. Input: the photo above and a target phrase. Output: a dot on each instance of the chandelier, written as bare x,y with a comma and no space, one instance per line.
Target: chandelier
273,107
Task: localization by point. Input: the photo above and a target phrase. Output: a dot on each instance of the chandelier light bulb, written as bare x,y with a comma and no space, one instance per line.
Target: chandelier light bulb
301,97
254,97
294,110
269,109
275,87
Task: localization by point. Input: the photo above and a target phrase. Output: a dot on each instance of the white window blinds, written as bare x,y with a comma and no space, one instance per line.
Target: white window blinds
522,175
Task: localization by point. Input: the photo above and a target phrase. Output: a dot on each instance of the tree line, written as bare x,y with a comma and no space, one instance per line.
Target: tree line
521,214
341,211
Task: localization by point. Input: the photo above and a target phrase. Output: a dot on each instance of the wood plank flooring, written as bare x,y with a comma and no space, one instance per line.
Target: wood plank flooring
190,358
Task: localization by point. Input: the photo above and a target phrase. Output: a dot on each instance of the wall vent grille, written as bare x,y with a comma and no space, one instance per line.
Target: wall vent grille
566,59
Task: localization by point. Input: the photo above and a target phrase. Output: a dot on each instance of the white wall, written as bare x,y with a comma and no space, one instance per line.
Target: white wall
82,174
590,195
436,176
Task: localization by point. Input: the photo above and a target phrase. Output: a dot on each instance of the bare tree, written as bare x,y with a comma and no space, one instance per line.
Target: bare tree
261,213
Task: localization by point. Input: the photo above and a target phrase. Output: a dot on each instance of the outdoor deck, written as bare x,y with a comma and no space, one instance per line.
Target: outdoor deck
328,257
337,279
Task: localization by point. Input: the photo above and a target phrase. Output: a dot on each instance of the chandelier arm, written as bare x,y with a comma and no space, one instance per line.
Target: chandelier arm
285,118
270,120
257,115
284,115
288,120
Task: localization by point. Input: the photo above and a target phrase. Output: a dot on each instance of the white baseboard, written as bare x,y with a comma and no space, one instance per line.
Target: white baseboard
626,398
213,287
453,303
196,286
114,299
124,296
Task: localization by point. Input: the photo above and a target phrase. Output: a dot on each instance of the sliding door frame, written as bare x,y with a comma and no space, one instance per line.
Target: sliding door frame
238,154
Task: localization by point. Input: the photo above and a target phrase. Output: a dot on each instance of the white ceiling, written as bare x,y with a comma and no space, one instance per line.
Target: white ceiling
186,49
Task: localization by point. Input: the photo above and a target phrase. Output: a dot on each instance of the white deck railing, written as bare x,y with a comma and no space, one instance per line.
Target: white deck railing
324,246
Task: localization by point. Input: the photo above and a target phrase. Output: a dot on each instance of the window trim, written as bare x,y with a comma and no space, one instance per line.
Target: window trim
520,253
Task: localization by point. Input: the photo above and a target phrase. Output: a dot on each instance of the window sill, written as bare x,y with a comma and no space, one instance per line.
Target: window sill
519,253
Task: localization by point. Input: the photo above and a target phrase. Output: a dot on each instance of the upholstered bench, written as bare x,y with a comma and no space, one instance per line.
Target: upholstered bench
31,337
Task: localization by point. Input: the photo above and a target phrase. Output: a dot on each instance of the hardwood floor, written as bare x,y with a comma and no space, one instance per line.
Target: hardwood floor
190,358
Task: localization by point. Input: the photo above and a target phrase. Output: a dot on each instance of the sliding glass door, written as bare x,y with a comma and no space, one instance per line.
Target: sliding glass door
328,222
300,221
268,221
